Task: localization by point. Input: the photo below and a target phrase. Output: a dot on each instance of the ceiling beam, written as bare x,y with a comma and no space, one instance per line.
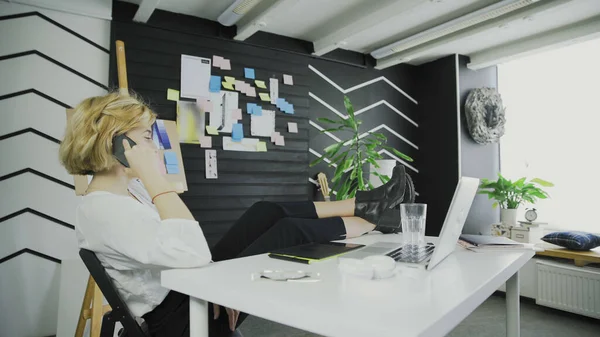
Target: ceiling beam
359,19
258,17
145,10
425,48
560,37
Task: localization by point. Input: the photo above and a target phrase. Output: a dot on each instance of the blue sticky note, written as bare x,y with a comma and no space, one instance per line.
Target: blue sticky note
170,158
215,84
257,110
280,102
172,169
250,108
237,132
290,109
249,73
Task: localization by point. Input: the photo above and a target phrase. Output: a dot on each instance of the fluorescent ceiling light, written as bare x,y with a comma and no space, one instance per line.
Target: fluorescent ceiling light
232,14
471,19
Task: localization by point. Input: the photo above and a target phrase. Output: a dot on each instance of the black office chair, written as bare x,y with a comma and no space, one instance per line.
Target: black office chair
120,312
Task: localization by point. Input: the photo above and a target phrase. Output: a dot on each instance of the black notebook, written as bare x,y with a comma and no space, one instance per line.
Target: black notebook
313,252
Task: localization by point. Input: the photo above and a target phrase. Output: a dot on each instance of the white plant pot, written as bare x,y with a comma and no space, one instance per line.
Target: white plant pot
508,217
386,166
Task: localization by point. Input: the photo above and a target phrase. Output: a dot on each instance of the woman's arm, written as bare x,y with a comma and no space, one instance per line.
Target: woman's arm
143,160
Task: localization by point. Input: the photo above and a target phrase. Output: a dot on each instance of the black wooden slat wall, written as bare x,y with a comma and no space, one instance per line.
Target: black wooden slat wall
281,174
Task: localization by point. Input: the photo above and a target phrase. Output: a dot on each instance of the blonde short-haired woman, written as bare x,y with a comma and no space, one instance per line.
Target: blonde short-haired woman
136,240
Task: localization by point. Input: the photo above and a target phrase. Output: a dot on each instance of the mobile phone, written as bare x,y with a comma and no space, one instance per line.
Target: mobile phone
119,149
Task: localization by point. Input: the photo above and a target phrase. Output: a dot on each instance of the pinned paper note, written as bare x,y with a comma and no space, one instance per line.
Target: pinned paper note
249,73
250,91
228,85
257,110
226,64
292,127
264,97
211,130
280,141
173,95
217,61
288,79
195,75
214,84
260,84
246,145
280,102
274,136
274,89
205,142
237,133
230,79
204,105
250,108
210,160
261,147
262,125
240,86
236,114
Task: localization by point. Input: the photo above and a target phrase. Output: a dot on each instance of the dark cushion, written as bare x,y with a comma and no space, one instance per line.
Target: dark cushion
573,240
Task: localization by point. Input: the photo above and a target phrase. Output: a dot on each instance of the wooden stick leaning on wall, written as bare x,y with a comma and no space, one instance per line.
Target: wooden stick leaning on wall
92,306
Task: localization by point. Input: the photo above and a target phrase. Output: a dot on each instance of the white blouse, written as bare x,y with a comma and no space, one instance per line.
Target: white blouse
134,245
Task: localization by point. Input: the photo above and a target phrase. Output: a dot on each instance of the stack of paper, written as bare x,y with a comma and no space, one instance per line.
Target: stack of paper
487,242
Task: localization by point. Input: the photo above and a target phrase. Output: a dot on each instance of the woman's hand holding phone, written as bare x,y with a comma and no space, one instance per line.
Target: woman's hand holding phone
142,160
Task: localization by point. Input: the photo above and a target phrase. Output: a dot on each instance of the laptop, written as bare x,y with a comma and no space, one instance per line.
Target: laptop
431,255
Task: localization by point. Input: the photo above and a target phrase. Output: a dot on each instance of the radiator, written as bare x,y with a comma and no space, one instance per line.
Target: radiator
569,288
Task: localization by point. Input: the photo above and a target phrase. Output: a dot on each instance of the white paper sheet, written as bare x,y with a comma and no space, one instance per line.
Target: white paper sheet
263,126
224,103
246,145
195,75
274,89
210,158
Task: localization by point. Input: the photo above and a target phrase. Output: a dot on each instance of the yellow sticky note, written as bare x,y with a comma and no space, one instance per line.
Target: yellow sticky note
173,95
261,147
264,97
228,85
212,130
260,84
229,79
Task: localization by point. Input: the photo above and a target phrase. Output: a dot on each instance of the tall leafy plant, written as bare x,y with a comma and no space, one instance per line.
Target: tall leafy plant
350,153
510,195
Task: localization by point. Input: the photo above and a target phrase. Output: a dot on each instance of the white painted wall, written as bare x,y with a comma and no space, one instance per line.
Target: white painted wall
29,285
553,114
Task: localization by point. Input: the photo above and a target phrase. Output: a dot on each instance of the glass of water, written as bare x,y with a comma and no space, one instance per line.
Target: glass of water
413,217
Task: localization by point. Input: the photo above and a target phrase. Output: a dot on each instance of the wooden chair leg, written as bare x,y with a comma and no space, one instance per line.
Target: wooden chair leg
85,307
96,312
92,308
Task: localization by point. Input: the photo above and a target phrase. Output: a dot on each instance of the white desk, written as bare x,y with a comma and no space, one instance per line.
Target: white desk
413,303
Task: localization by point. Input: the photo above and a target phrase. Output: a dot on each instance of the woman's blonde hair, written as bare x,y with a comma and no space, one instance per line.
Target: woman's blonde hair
87,144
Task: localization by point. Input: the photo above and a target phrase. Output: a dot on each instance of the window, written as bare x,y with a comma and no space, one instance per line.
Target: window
552,105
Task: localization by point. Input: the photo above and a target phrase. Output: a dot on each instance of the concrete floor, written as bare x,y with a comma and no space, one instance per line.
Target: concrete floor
487,321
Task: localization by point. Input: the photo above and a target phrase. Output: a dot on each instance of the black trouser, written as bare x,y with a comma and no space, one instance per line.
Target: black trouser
264,227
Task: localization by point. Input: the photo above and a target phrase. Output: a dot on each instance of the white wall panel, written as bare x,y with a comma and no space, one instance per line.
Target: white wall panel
42,156
33,71
35,33
32,111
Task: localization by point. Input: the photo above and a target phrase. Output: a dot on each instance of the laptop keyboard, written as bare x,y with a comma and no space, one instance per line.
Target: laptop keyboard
412,254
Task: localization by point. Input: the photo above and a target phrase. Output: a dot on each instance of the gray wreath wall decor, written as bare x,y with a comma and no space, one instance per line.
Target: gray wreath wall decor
485,115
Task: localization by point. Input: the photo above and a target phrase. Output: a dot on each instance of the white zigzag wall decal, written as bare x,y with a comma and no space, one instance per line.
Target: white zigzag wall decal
364,84
358,112
363,135
403,162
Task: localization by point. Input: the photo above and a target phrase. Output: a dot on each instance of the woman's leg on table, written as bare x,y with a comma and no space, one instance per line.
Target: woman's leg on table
263,215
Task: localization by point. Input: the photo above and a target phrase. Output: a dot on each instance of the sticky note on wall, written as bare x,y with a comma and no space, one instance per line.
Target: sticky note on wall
237,133
249,73
172,95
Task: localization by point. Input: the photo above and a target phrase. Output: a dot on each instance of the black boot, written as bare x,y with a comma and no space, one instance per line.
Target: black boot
395,222
370,205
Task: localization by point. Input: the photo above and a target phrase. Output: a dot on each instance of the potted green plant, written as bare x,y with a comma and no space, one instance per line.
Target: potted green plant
510,195
349,154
